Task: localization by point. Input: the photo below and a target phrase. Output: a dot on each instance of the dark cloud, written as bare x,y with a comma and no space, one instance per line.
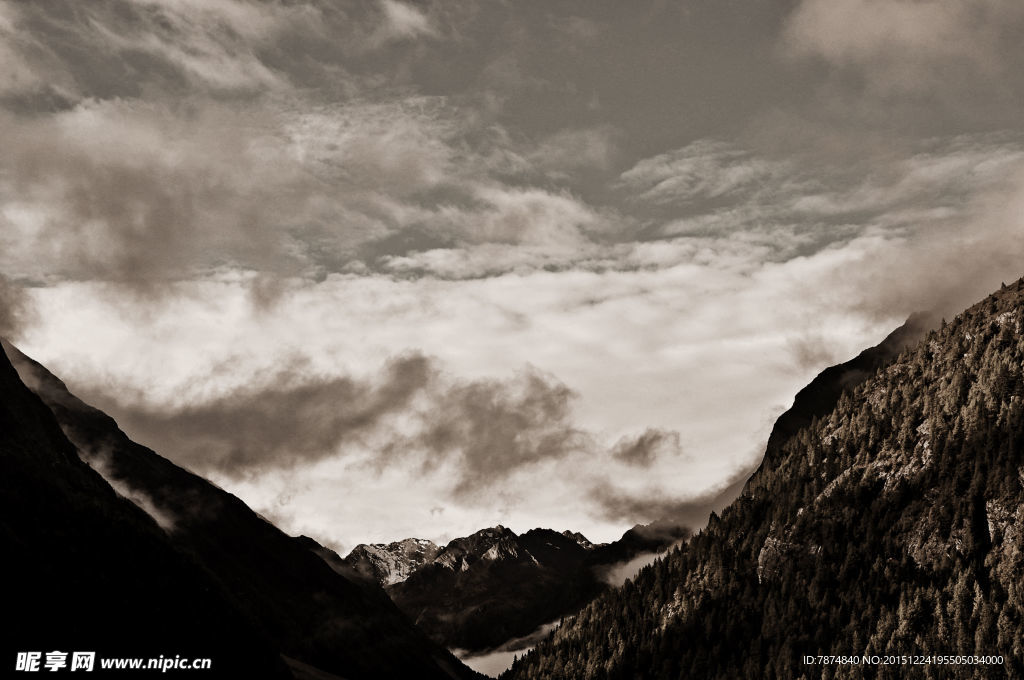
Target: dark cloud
493,428
646,448
294,420
411,413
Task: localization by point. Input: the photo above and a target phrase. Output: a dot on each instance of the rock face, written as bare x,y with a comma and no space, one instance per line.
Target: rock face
275,585
390,563
883,521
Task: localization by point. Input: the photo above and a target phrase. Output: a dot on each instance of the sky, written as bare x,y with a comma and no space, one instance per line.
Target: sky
386,268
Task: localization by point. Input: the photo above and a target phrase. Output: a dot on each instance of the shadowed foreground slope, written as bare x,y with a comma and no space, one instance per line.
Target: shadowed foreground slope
86,570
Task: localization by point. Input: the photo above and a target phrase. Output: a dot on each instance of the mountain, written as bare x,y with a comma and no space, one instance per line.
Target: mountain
314,614
390,563
579,538
85,569
890,524
480,591
484,589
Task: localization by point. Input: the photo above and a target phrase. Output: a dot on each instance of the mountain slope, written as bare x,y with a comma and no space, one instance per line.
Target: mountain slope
312,613
892,524
86,570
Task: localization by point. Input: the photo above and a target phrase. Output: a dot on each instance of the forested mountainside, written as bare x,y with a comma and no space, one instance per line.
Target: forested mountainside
891,525
292,598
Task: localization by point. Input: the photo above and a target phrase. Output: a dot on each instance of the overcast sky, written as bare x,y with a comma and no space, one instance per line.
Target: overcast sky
390,269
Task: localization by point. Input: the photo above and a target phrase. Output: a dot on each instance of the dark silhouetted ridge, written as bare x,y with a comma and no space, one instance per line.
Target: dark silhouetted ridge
86,570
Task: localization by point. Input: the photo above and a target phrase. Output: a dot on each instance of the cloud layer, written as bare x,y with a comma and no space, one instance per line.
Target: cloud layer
551,260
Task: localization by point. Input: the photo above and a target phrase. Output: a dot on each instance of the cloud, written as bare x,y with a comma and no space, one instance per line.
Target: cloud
136,195
904,64
496,428
646,448
927,37
705,169
132,194
811,351
163,50
288,421
493,662
616,574
124,49
947,267
649,505
667,534
168,181
403,21
575,150
797,205
411,413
